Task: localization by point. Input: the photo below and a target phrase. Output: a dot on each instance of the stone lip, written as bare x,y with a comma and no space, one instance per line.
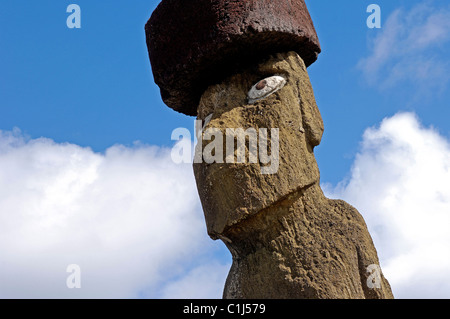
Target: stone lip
195,43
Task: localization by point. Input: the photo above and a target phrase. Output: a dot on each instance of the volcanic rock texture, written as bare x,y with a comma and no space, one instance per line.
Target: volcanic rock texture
286,238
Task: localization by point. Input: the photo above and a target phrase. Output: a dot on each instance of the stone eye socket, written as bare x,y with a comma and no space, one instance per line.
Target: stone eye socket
265,87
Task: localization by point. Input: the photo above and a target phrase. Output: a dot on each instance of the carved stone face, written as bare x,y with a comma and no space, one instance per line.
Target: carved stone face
275,97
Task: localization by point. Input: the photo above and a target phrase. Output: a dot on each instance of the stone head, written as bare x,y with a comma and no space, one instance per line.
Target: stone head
283,122
206,56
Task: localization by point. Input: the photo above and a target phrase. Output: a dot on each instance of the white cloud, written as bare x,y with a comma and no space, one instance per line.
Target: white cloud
200,283
412,47
130,218
400,182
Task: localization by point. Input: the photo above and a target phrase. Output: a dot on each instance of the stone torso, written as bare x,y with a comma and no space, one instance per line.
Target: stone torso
304,246
286,238
240,66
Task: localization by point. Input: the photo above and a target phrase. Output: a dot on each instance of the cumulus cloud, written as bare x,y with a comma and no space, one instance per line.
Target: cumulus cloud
412,48
130,218
211,277
400,182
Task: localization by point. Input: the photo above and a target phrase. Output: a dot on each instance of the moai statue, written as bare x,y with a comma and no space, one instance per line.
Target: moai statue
241,64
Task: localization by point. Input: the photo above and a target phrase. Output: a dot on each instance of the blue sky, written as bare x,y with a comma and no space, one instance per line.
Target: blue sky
94,87
87,96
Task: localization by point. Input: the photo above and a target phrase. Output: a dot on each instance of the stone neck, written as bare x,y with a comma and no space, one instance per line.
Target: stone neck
274,222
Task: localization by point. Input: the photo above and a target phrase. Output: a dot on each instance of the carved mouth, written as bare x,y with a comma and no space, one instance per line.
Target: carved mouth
250,221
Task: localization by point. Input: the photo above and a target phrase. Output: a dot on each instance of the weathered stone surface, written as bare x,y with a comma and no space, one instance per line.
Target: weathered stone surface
193,43
286,238
231,192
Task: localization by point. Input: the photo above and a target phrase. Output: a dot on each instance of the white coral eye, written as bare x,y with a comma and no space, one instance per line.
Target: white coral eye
265,87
